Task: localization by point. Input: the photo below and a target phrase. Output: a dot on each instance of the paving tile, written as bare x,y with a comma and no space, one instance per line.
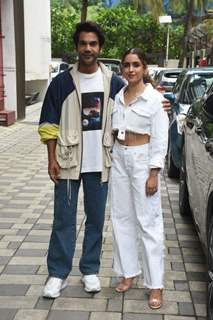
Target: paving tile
176,275
174,251
178,266
28,261
177,296
13,290
196,267
31,315
7,314
198,286
194,259
193,252
136,294
186,308
168,317
75,292
200,310
4,260
44,304
23,269
114,305
17,303
181,285
68,315
14,245
196,276
142,316
198,297
105,316
22,279
34,245
79,304
31,253
132,306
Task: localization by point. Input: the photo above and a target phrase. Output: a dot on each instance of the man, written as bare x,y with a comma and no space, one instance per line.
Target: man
75,124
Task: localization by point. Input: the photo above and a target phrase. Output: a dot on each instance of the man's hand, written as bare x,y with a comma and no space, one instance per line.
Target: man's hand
53,166
166,105
53,170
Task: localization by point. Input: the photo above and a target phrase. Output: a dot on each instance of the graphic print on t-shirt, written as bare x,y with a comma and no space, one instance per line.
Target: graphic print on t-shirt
92,106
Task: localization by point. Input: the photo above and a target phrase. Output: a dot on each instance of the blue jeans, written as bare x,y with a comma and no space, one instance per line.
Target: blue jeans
63,237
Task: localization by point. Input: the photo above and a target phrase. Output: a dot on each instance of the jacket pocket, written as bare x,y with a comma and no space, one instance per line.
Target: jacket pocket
107,144
66,150
140,120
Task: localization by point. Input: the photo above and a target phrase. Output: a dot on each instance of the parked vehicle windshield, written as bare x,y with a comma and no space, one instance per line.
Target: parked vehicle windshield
197,85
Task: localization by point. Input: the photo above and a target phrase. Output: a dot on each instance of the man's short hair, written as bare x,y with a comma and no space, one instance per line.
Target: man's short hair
88,26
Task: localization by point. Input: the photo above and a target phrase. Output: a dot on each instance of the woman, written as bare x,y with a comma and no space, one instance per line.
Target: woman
140,126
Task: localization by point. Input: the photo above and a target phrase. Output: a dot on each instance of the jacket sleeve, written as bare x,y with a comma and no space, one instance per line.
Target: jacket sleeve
50,117
60,87
158,138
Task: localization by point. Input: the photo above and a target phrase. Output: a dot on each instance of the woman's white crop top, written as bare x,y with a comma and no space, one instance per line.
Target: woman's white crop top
145,115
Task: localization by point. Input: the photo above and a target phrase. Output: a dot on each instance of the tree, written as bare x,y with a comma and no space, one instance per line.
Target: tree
63,21
84,10
154,6
125,29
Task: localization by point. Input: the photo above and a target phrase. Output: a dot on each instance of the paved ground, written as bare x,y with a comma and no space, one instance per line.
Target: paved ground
25,223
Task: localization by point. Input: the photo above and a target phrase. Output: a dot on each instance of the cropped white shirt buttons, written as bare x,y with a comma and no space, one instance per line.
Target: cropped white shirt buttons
145,115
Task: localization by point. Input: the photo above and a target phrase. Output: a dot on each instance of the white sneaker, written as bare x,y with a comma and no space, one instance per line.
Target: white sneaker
53,287
91,283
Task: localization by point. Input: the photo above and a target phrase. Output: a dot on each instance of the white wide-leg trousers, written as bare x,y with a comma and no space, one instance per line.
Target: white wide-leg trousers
135,217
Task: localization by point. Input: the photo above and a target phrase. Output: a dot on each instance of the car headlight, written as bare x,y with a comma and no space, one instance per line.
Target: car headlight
180,121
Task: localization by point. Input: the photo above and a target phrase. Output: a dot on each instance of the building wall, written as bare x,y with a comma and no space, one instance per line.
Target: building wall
9,59
37,45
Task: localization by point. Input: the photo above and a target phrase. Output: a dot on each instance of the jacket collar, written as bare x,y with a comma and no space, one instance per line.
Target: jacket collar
144,95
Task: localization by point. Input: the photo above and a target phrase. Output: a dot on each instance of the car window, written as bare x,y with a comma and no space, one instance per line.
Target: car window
171,75
158,76
197,86
183,91
208,106
178,82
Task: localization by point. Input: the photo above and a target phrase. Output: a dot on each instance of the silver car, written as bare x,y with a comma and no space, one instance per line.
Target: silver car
196,177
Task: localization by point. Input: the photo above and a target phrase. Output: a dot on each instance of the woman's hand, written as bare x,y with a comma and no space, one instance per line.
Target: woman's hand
152,182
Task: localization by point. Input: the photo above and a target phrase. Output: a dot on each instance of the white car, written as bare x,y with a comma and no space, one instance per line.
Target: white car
58,67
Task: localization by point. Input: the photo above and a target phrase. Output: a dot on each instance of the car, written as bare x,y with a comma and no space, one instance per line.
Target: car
196,178
154,70
112,64
165,79
57,67
190,85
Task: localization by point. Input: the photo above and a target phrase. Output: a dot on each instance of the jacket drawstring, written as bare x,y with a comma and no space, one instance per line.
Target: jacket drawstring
69,192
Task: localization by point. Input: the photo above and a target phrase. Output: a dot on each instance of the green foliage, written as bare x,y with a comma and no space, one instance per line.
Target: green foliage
63,21
123,29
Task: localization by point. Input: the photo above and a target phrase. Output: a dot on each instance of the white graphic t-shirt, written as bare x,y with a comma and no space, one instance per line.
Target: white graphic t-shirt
92,97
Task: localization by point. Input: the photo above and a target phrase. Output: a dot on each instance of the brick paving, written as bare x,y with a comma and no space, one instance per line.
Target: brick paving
26,207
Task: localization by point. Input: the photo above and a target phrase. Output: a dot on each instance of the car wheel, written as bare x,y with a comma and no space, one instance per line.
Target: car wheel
172,170
210,273
184,206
